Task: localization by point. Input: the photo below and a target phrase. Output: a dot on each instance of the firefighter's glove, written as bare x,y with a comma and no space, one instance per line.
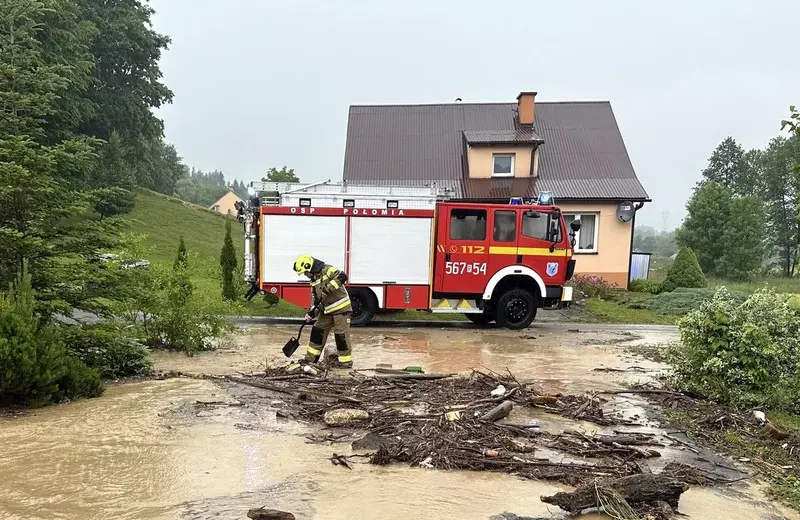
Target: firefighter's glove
312,314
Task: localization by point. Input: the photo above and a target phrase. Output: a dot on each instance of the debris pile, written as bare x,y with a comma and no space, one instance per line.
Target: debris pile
446,421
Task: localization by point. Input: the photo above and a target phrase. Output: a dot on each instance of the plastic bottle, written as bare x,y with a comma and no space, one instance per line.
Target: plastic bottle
490,453
310,370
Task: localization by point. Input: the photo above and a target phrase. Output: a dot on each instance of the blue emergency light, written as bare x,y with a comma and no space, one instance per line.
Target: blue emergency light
515,201
545,198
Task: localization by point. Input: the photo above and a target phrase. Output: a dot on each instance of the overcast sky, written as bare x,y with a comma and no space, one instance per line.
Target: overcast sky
262,83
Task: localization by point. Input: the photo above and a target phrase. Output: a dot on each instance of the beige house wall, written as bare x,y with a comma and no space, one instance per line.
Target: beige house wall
480,160
611,261
225,204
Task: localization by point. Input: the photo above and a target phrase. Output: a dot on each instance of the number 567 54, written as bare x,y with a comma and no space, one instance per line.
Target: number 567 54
474,268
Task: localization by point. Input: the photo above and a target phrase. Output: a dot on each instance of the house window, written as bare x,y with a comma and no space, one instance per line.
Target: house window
505,226
586,238
468,224
503,165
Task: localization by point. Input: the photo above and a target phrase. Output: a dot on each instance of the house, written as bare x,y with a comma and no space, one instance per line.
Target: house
225,204
494,151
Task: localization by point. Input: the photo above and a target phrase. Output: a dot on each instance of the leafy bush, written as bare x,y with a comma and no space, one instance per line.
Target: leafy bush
163,304
745,354
78,380
177,318
684,272
108,349
35,367
646,286
680,301
593,286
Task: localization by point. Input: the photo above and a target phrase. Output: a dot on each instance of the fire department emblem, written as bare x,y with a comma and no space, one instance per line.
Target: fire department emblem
552,268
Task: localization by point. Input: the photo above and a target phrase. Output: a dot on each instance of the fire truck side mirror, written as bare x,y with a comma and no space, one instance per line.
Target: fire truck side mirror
575,225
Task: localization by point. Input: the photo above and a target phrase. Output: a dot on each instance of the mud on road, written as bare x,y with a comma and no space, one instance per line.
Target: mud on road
187,448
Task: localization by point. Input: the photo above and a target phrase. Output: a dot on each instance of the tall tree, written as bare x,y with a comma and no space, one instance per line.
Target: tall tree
781,191
44,206
227,260
726,232
126,79
283,175
744,236
702,230
729,166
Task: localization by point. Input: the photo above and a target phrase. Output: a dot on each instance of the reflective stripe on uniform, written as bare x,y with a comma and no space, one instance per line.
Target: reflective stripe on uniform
335,284
314,352
346,359
338,305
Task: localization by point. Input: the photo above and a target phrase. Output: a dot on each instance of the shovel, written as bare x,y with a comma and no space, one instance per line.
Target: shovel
293,343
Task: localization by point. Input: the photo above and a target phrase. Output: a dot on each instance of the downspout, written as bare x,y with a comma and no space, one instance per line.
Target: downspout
636,208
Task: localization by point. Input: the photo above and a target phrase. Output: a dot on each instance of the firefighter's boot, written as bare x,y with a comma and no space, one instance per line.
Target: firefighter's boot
344,351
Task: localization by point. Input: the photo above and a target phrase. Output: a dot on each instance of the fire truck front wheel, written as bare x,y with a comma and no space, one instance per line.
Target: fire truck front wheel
516,309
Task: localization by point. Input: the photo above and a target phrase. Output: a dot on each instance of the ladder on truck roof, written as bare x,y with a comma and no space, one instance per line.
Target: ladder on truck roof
326,194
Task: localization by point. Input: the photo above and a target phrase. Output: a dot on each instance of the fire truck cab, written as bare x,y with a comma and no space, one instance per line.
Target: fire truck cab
411,248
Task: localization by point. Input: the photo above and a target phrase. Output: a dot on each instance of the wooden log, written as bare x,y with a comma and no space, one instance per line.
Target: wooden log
269,514
498,412
635,489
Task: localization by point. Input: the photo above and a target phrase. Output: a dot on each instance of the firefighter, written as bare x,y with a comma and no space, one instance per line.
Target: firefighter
331,302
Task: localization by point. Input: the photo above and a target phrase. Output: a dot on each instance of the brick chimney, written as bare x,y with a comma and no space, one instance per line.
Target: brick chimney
525,108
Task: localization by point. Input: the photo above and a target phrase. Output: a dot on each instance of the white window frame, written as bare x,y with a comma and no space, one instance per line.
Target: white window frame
513,163
579,216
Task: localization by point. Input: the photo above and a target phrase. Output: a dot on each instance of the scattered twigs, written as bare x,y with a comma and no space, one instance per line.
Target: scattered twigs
682,442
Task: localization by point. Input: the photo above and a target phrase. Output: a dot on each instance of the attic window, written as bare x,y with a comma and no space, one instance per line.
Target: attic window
503,165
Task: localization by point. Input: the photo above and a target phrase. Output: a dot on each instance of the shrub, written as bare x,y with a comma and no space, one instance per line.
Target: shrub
681,301
35,367
171,315
745,354
684,272
227,261
182,258
593,286
646,286
108,349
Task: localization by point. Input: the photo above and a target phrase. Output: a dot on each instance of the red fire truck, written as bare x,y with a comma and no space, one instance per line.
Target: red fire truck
411,248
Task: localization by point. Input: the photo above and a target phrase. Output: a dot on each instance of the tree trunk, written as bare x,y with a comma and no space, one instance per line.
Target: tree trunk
269,514
498,412
635,489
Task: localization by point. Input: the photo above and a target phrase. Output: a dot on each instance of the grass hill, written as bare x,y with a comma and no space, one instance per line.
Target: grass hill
164,219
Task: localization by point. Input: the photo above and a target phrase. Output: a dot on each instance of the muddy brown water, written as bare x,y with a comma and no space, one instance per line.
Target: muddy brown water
147,451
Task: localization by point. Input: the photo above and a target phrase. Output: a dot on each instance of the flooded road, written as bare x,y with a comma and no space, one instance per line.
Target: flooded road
149,450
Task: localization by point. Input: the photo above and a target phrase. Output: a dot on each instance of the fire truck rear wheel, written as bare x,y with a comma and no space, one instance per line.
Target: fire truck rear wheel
362,308
516,309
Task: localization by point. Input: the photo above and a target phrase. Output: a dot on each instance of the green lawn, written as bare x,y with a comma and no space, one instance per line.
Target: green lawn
617,312
779,285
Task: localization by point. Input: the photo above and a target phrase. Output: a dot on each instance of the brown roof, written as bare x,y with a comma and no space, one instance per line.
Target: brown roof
583,155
